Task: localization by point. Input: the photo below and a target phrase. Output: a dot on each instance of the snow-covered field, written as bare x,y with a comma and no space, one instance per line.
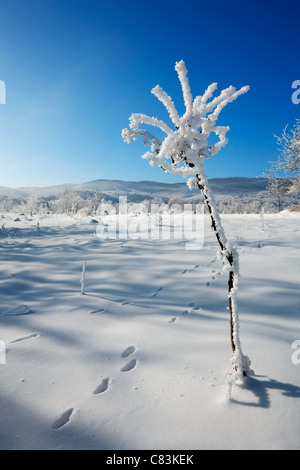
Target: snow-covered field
140,361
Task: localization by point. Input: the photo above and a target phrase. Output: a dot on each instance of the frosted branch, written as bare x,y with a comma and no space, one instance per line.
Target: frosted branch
223,95
136,119
185,149
132,134
200,101
228,99
168,103
187,96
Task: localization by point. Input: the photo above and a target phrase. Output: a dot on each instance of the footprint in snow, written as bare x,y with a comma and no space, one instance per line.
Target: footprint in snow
63,419
25,338
17,311
129,366
102,387
157,292
194,306
172,320
128,351
195,267
96,312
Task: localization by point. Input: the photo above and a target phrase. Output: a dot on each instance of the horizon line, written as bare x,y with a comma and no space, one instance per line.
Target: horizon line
129,181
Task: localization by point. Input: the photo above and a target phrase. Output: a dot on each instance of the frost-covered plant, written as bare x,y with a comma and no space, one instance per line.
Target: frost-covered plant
82,280
283,178
184,152
277,185
289,160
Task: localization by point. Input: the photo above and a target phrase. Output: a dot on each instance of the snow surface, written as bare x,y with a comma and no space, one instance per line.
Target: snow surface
140,360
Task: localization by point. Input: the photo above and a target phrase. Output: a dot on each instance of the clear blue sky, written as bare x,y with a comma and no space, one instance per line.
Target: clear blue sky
75,70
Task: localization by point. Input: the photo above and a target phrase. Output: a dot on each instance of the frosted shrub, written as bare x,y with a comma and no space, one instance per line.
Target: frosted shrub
184,152
289,160
284,175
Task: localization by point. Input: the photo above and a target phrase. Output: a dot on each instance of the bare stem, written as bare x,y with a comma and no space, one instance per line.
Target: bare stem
228,255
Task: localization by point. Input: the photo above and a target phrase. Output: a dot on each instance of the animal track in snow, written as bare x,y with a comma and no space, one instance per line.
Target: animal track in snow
194,306
102,387
129,366
25,338
96,312
128,351
213,277
17,311
172,320
157,292
196,266
63,419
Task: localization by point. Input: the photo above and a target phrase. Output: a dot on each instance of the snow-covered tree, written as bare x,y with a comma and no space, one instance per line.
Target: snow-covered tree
289,159
277,186
284,174
183,152
31,204
91,205
70,202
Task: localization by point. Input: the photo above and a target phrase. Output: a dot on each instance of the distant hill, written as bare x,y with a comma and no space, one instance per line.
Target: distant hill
137,191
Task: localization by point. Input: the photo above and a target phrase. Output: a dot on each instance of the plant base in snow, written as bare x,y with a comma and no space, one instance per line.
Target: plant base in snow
241,369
